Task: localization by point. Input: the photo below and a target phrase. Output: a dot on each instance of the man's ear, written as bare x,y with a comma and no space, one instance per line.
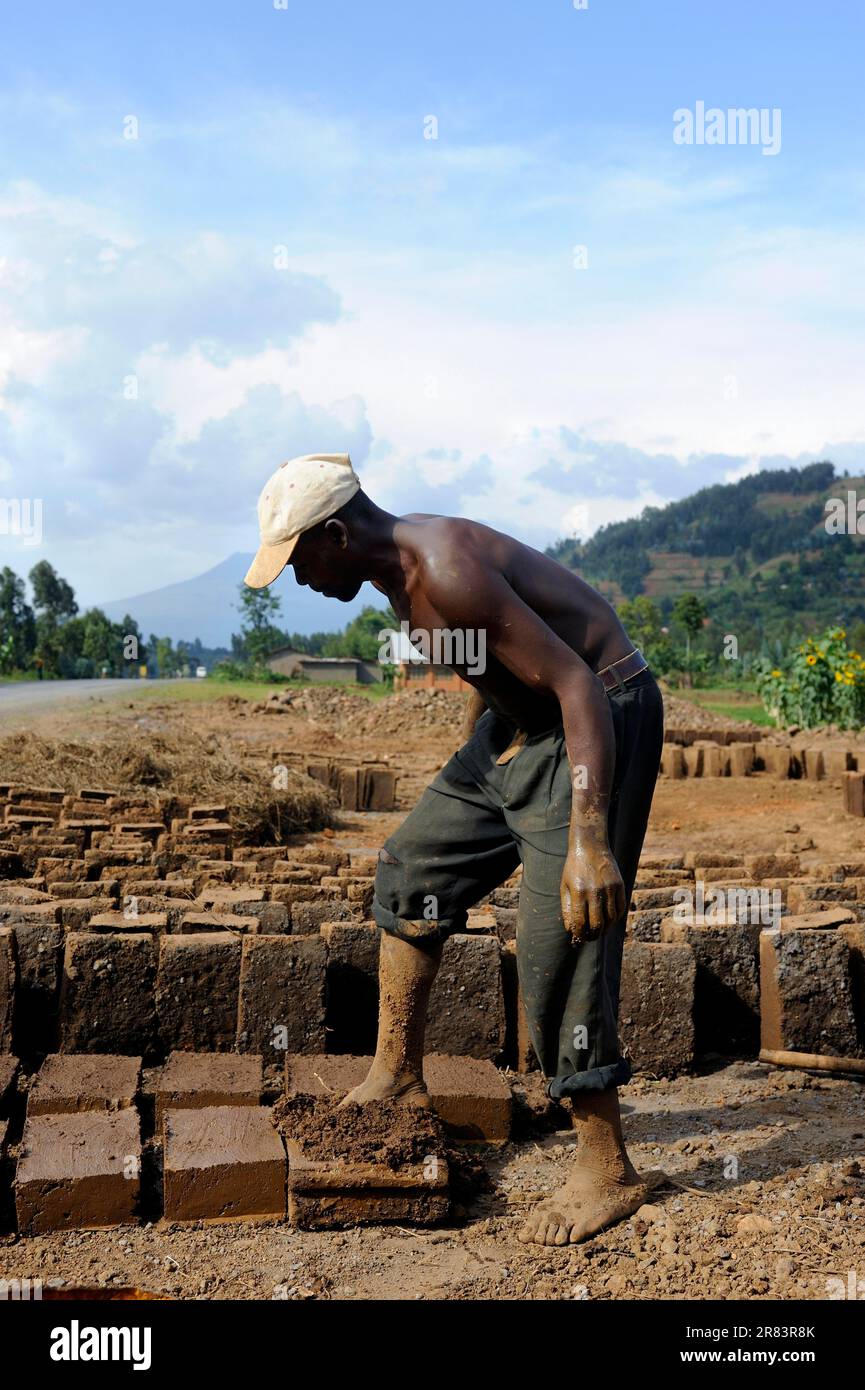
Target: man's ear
337,533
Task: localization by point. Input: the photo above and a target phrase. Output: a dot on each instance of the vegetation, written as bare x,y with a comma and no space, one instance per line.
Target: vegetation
822,683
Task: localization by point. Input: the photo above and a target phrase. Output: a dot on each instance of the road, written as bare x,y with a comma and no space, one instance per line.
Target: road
21,697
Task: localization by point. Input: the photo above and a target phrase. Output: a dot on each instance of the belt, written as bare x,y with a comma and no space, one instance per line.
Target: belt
617,673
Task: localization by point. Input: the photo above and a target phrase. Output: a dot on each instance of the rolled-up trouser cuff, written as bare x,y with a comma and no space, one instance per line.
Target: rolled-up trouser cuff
596,1079
418,931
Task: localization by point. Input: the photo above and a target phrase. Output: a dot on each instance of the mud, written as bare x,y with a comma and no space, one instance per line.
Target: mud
381,1131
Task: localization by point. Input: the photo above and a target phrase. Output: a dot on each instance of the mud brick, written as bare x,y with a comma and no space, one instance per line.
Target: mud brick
468,1094
198,922
673,761
95,914
282,995
30,914
215,811
22,891
172,909
694,757
804,897
320,854
362,893
197,990
466,1009
779,761
806,998
291,893
837,761
8,1077
760,866
8,986
813,764
645,898
726,984
645,924
195,1080
662,861
704,858
741,759
40,957
307,918
379,790
828,920
107,999
78,1171
656,1010
96,794
854,793
51,795
854,935
68,1083
106,888
716,760
10,864
287,873
61,869
352,986
247,902
826,871
223,1162
505,919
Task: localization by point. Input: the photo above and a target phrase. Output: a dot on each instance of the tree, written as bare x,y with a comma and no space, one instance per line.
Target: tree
689,613
644,623
361,637
17,623
259,634
54,602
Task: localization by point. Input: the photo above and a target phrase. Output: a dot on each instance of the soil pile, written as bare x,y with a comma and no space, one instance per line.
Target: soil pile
382,1131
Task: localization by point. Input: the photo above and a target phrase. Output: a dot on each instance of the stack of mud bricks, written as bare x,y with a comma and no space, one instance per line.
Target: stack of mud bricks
729,753
366,786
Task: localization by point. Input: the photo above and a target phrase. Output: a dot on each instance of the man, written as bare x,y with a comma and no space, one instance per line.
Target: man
557,773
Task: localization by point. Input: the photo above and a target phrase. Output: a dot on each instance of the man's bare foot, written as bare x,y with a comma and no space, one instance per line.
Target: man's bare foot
584,1205
382,1084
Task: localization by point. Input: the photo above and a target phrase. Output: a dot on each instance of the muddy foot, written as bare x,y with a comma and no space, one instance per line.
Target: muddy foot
384,1085
584,1205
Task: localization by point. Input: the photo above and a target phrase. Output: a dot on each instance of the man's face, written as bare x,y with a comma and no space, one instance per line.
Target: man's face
321,562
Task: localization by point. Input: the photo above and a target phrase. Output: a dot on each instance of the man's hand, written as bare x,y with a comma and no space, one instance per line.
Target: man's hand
593,894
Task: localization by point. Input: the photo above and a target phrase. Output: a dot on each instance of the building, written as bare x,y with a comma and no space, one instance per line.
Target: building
348,670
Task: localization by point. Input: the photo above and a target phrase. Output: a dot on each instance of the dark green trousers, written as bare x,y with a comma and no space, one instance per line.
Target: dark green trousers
477,821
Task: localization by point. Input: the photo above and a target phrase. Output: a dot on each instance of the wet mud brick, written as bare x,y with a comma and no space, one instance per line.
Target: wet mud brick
195,1080
197,991
78,1171
107,999
656,1009
327,1195
806,993
8,986
222,1162
468,1094
466,1014
282,996
726,984
70,1083
854,793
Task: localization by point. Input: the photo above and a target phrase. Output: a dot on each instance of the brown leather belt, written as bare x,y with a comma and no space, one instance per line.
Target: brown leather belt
617,673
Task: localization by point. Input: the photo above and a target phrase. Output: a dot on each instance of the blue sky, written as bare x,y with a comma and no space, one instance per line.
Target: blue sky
281,262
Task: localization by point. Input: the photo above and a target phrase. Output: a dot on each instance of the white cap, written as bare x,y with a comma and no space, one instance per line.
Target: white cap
301,493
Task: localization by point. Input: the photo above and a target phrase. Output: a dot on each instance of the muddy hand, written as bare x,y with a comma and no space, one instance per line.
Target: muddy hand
593,894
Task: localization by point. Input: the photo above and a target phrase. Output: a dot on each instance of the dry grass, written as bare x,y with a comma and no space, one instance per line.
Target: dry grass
167,769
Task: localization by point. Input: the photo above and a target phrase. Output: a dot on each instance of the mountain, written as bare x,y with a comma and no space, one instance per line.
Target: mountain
757,551
206,606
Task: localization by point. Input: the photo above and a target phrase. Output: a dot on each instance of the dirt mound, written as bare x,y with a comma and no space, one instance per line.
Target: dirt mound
682,714
383,1131
325,706
342,711
166,767
439,711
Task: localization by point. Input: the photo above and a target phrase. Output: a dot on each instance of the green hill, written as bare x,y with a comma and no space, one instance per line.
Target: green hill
757,552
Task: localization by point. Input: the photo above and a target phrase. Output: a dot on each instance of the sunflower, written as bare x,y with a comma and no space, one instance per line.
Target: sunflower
810,661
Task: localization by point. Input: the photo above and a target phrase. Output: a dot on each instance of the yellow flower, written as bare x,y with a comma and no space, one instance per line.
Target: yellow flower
776,673
838,676
811,660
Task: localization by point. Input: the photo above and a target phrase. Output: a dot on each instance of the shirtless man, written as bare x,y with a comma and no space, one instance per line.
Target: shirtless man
563,742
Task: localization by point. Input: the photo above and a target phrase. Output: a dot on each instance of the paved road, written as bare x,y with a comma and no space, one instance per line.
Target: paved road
19,697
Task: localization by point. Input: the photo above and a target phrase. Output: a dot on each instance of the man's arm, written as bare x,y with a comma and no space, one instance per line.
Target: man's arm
471,594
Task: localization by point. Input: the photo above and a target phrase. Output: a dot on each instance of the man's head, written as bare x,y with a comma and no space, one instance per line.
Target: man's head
305,514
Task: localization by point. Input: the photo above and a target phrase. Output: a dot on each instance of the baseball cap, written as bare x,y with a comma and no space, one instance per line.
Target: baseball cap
301,493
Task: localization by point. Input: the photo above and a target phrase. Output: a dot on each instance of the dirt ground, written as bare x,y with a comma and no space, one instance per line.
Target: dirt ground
764,1194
